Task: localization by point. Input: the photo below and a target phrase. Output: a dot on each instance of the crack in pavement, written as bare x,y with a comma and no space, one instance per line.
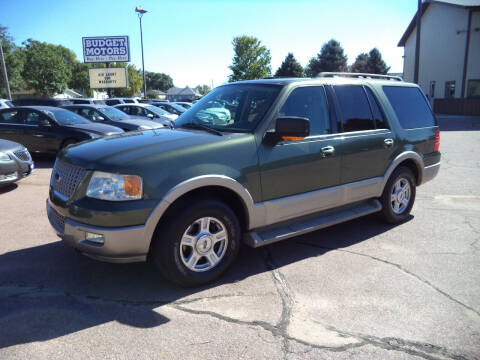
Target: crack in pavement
399,267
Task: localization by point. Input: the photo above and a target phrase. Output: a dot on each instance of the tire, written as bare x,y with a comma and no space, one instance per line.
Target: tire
184,245
397,203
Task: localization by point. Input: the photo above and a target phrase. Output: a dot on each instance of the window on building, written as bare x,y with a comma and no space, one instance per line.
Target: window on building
473,88
410,106
355,108
450,89
432,89
309,102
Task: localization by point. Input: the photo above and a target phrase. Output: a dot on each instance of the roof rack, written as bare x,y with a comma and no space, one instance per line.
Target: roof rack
360,75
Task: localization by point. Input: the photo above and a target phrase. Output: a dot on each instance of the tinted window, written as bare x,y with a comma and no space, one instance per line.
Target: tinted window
309,102
410,106
128,101
10,117
380,122
354,107
112,102
80,101
65,117
32,117
90,114
125,109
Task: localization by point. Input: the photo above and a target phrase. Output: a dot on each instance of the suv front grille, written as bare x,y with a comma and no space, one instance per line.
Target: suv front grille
23,154
66,177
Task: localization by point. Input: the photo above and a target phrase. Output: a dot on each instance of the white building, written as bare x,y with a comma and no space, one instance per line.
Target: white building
449,63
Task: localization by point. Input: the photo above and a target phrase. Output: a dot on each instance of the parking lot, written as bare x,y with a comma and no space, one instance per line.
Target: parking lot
361,289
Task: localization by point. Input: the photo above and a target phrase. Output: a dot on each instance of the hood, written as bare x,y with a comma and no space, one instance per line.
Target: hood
6,145
140,122
136,148
99,129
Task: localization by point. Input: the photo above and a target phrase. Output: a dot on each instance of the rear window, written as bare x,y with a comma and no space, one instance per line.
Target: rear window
410,106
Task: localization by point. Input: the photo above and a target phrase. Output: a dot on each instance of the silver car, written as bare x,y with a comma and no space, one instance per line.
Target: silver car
15,162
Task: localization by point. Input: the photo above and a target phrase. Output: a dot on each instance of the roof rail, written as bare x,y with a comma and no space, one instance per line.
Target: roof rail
360,75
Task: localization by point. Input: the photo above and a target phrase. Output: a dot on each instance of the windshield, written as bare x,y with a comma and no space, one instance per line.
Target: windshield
113,113
156,110
65,117
180,109
235,108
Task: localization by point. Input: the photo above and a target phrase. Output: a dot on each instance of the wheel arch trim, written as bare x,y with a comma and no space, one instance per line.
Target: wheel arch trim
406,155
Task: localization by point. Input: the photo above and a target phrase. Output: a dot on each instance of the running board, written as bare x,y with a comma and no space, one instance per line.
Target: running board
272,234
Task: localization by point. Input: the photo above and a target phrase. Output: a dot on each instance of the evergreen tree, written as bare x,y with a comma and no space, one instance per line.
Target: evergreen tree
290,67
375,63
360,64
251,59
330,58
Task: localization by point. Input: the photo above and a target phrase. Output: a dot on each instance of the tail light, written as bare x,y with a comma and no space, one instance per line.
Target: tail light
437,141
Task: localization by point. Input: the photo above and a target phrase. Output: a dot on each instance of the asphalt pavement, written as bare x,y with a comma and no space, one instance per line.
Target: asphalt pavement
358,290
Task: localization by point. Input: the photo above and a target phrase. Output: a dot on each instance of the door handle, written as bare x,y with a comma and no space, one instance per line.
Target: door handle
388,142
328,150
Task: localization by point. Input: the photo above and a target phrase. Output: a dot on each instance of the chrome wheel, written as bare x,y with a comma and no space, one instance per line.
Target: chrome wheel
401,195
203,244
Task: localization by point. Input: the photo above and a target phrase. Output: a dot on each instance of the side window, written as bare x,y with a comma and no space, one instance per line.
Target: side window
142,111
88,114
125,109
354,107
380,122
10,117
32,118
309,102
410,106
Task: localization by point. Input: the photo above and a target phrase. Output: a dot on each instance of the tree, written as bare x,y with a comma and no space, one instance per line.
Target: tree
203,89
158,81
79,78
251,59
330,58
135,81
290,67
45,70
14,60
375,63
360,64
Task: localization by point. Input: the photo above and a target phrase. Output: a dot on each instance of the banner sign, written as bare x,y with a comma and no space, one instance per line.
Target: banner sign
106,49
108,78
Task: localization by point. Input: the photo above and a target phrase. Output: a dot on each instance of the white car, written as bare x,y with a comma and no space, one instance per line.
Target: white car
5,103
148,112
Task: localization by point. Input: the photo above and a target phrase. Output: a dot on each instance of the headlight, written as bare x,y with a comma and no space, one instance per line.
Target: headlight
115,187
4,156
144,127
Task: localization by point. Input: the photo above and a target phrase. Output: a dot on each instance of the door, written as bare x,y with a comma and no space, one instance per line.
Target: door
292,170
11,125
39,132
367,142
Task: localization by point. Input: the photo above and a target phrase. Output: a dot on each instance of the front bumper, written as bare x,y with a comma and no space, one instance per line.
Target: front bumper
120,244
15,169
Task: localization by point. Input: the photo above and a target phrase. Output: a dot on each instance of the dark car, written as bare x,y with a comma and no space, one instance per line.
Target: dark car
112,116
86,101
172,108
46,129
15,162
40,102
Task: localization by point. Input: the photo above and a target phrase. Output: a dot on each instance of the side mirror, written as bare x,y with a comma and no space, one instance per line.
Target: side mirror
151,116
100,118
289,129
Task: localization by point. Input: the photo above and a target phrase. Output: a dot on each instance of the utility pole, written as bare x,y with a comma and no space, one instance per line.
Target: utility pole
417,42
140,13
4,71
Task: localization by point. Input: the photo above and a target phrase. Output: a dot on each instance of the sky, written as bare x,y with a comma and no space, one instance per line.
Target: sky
191,40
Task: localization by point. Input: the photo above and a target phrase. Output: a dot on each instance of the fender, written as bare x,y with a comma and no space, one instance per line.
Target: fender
255,212
406,155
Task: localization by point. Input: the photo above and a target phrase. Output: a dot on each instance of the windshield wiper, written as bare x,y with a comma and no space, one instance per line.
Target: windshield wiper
193,125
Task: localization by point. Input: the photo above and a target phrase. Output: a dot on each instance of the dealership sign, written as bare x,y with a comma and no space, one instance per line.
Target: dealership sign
106,49
108,78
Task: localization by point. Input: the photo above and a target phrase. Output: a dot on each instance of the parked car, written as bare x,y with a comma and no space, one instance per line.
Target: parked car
172,108
40,101
112,116
299,155
5,103
184,104
15,162
116,101
87,101
149,112
46,129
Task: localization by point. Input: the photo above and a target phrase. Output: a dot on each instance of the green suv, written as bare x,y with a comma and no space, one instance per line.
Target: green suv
254,162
